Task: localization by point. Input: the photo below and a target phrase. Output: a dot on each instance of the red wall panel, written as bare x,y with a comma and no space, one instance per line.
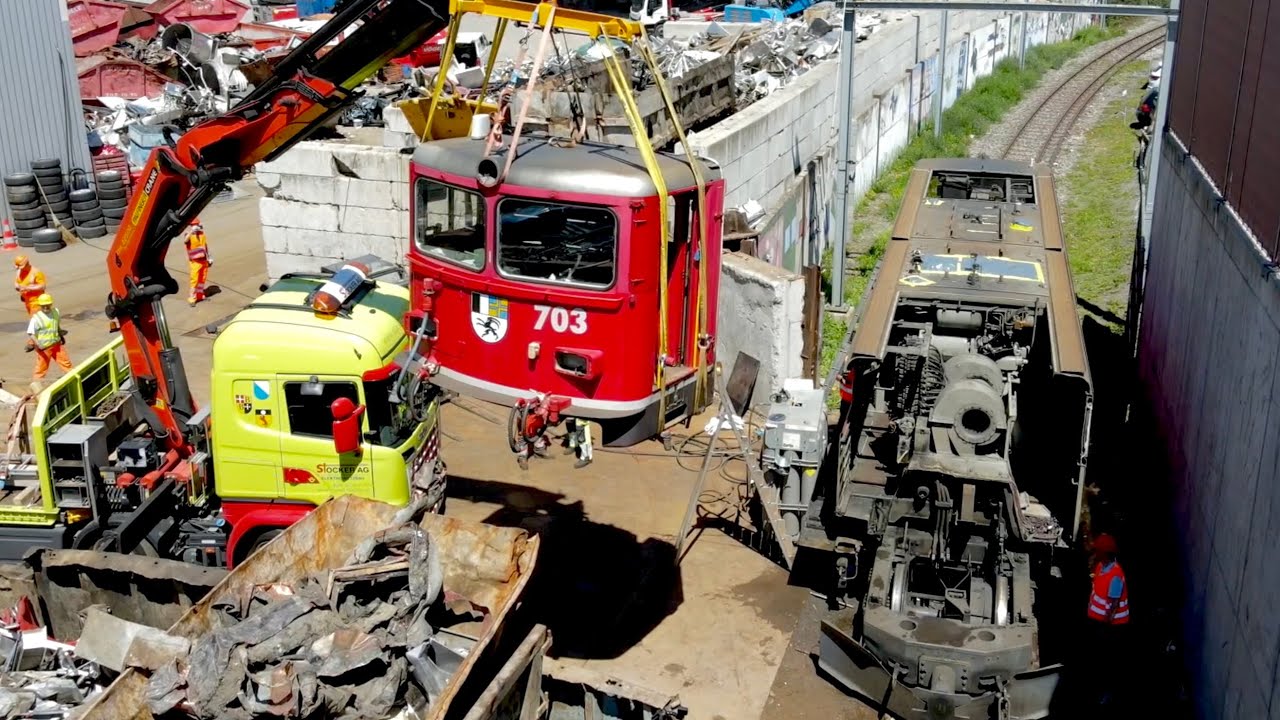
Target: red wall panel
1224,104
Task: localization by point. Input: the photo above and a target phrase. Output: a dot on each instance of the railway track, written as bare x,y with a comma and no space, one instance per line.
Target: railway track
1041,136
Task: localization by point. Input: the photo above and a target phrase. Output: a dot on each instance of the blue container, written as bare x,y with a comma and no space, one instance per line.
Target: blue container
307,8
744,14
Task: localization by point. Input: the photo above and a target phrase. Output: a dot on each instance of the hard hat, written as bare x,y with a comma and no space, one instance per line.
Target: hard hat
1105,544
20,261
195,222
44,299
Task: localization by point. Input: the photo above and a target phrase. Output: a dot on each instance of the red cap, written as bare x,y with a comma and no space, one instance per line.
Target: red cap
1104,543
195,222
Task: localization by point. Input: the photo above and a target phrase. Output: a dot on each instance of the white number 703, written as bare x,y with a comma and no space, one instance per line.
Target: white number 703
562,319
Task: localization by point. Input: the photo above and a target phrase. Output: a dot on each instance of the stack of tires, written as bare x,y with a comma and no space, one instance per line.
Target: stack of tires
90,223
21,191
112,198
53,192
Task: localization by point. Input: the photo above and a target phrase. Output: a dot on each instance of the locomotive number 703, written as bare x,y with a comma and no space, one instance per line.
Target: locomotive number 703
562,319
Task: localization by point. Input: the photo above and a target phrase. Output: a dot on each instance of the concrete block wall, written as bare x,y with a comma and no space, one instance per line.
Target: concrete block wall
1209,350
761,309
769,150
330,200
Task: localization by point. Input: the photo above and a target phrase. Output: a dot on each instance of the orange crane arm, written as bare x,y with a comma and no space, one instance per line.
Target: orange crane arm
307,87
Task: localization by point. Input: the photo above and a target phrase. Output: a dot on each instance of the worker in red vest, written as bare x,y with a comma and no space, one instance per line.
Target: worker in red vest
198,260
1107,617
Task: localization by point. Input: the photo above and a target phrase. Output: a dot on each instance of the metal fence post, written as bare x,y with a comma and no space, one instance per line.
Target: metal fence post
846,169
942,77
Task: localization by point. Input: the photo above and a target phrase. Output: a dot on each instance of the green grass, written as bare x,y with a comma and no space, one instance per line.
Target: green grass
970,117
1100,192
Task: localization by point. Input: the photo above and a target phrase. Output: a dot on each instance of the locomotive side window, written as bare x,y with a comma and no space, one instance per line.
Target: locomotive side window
450,223
555,242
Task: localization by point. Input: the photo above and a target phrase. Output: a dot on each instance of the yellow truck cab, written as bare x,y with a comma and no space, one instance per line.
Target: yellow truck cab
304,406
278,368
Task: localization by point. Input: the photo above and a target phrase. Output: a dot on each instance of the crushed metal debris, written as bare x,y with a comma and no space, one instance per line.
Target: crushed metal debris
354,642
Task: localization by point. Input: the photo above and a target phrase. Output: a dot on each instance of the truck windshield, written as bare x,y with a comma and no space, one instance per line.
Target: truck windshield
390,424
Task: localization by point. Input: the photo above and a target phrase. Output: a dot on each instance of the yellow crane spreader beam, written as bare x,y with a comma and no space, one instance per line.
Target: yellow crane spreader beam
588,23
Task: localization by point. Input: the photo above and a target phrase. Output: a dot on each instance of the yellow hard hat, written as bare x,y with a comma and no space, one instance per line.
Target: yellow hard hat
20,261
44,299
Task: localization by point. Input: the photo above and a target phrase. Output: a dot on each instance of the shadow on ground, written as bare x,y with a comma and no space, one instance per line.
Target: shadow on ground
599,588
1129,498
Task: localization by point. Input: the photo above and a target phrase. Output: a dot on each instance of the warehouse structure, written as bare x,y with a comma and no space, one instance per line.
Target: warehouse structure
39,92
1209,344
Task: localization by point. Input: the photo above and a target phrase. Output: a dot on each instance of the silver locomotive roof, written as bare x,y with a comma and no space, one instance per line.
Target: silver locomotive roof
589,168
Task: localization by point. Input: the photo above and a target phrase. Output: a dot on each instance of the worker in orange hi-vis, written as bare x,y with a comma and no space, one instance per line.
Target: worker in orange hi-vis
29,283
44,336
198,260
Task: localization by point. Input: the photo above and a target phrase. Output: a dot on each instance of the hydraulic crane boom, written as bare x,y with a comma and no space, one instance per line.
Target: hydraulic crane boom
306,88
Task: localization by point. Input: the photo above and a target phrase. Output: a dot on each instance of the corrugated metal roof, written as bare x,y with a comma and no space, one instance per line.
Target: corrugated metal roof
39,92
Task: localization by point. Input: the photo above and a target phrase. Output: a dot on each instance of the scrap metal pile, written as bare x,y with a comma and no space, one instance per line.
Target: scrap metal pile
42,677
354,642
769,55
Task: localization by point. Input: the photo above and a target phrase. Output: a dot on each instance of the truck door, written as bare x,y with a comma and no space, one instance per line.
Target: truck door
246,438
313,470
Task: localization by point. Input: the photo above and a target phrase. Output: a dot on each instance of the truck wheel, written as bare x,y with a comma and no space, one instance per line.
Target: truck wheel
263,537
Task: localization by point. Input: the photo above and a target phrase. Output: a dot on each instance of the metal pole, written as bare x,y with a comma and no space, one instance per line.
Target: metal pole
846,169
1022,52
1158,126
942,74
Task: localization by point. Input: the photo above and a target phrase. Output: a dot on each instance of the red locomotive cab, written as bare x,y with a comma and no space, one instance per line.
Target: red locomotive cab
548,284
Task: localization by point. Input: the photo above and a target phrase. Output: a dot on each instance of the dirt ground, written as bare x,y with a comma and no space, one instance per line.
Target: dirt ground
712,631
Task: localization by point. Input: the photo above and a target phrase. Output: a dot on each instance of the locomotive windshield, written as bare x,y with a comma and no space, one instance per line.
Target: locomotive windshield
557,242
450,223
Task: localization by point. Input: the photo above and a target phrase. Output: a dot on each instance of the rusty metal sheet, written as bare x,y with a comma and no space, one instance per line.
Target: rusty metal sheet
104,76
1255,42
917,184
1068,340
1047,200
1259,155
874,320
1184,80
144,590
98,24
211,17
1221,61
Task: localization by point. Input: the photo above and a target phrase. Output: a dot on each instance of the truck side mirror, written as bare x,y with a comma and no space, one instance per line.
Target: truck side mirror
346,425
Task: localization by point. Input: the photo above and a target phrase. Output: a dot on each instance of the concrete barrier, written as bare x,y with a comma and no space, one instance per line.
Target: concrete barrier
761,310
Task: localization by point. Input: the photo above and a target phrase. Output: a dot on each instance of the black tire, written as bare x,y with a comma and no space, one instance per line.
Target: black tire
48,181
91,206
91,233
111,185
113,216
51,198
82,196
113,204
46,164
60,207
112,195
21,179
31,214
80,215
48,235
49,247
32,205
25,242
109,176
92,222
32,224
21,197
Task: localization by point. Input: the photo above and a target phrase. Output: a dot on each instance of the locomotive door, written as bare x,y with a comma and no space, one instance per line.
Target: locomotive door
682,281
